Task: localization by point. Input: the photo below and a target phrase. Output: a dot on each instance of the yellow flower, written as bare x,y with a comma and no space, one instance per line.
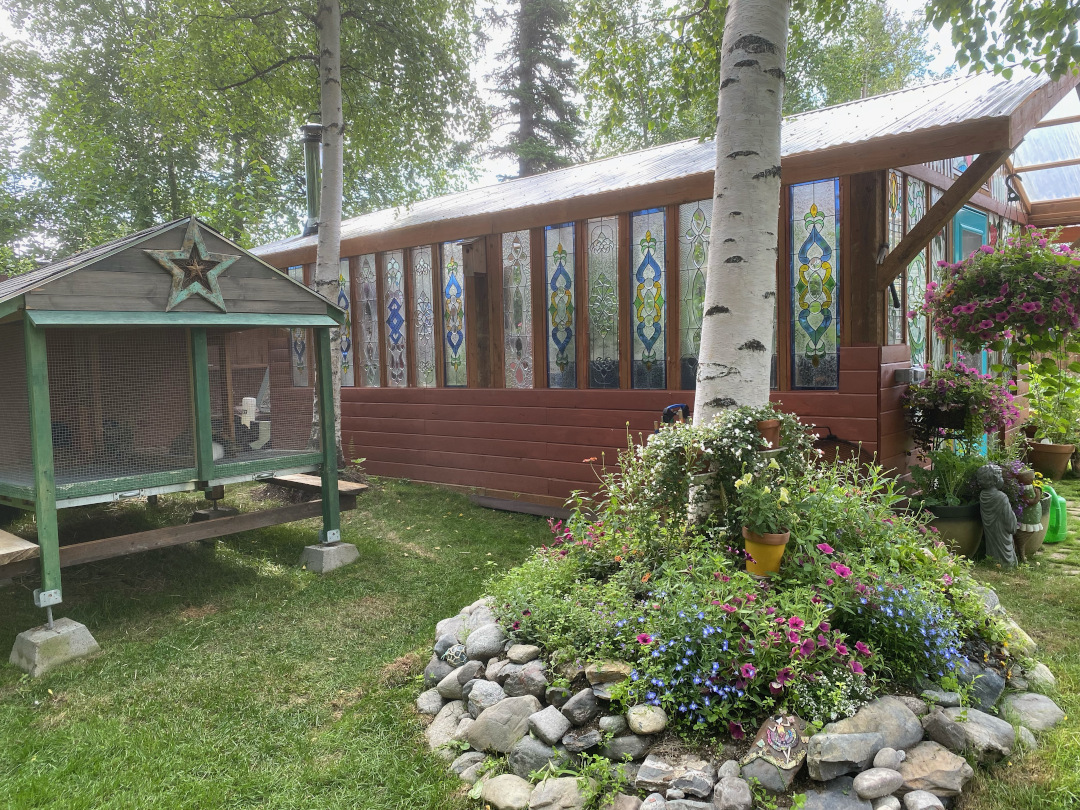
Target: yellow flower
773,465
767,490
785,496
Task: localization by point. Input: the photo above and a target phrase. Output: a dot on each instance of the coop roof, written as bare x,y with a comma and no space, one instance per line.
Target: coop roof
141,279
939,120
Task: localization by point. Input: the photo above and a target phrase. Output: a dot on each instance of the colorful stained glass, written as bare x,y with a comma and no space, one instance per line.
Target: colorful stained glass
695,221
603,276
453,295
423,317
298,342
517,310
938,350
346,344
394,313
894,296
915,285
368,321
559,266
648,362
815,239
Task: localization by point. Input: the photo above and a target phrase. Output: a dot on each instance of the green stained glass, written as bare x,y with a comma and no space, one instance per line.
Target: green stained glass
695,224
603,270
894,306
815,239
915,286
517,310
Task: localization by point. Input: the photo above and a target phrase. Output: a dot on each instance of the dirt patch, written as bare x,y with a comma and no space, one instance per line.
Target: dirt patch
277,494
401,670
418,551
343,700
198,612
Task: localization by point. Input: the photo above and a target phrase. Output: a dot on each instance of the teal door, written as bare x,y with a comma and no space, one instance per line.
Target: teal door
971,230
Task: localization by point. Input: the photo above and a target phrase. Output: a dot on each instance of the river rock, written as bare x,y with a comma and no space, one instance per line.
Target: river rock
529,680
507,792
658,774
940,698
494,668
991,738
466,761
582,739
485,642
563,793
688,804
696,781
483,695
523,653
945,731
645,719
889,717
654,801
454,626
430,702
918,707
933,768
877,782
557,696
888,758
831,755
614,724
549,725
444,643
607,672
442,728
921,800
1020,643
729,767
986,685
530,754
582,708
836,794
622,801
435,671
1026,740
1040,677
480,616
732,793
452,686
498,728
1033,711
630,745
887,803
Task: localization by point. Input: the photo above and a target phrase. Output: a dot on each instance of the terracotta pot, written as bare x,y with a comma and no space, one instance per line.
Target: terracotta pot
770,433
1050,459
960,527
766,549
1026,477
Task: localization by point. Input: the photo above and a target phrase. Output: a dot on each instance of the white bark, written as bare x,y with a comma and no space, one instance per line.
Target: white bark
328,24
740,287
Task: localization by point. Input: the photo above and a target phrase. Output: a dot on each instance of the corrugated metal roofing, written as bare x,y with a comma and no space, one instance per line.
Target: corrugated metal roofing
938,104
1049,144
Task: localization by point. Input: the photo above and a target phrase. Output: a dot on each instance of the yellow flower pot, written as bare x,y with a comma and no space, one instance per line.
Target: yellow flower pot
766,551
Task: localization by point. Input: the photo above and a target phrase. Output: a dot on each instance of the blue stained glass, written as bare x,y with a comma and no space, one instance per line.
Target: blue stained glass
648,311
394,294
298,342
559,277
815,235
454,361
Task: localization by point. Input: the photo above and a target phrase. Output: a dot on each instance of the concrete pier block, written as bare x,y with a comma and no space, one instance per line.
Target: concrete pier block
40,649
325,557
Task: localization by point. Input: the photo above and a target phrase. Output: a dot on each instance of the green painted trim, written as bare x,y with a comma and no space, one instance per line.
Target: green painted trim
46,317
11,306
17,503
324,381
337,314
16,492
269,465
41,452
127,483
200,387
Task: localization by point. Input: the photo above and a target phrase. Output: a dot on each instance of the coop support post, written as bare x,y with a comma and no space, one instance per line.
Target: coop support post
331,531
41,452
200,386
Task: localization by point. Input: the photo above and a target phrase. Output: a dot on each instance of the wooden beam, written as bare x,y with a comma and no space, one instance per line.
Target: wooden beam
1036,106
538,279
47,317
41,453
14,549
312,483
981,169
200,388
979,198
1055,122
94,550
331,513
1055,212
1052,164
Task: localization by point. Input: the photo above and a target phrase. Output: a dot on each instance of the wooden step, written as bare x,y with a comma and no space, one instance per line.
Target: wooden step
13,549
312,483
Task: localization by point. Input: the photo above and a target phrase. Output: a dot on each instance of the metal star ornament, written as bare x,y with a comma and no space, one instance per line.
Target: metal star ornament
194,269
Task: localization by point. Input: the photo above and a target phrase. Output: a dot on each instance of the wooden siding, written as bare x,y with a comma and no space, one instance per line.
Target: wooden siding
533,444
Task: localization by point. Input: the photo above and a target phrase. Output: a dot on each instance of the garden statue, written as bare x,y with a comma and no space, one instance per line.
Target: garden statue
998,518
1029,529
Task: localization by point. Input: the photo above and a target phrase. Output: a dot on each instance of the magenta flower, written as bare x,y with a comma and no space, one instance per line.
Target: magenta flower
793,636
807,647
824,548
863,649
947,579
775,688
729,608
644,638
856,667
795,623
747,671
841,570
987,248
735,730
841,649
784,675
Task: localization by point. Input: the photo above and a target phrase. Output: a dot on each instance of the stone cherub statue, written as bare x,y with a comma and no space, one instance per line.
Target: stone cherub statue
998,518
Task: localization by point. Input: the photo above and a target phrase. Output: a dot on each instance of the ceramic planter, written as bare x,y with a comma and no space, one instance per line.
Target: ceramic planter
766,550
1050,459
1029,542
960,527
770,433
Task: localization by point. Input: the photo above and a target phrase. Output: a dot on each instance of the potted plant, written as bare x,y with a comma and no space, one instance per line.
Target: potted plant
957,402
766,512
947,489
1053,394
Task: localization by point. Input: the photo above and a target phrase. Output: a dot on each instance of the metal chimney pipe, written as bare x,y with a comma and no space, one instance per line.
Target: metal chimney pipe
312,139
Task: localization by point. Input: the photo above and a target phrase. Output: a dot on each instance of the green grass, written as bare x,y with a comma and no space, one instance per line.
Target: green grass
1044,598
229,677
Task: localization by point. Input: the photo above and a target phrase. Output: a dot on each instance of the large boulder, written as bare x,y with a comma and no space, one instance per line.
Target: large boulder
435,671
1033,711
502,725
430,702
945,731
831,755
836,794
933,768
507,792
989,738
889,717
528,680
985,683
485,642
442,728
658,773
530,754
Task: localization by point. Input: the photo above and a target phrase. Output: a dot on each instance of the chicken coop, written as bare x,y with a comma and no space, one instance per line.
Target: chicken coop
167,361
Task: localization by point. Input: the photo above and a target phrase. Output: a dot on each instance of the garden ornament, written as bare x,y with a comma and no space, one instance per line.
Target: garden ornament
998,518
781,741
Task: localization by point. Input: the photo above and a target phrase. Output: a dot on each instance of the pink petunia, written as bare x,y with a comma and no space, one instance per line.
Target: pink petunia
841,649
841,570
644,638
795,623
824,548
856,667
747,671
793,636
863,649
807,647
735,730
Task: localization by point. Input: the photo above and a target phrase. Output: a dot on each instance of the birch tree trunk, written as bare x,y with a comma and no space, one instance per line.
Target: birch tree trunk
328,255
740,286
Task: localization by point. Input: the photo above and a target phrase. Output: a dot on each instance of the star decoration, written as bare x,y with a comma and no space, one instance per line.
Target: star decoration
194,269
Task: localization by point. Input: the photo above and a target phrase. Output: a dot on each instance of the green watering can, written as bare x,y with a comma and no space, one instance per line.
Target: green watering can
1058,518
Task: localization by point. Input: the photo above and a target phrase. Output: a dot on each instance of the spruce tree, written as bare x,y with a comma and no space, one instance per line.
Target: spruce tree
537,82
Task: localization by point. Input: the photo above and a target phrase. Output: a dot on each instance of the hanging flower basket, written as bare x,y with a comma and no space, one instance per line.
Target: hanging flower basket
955,400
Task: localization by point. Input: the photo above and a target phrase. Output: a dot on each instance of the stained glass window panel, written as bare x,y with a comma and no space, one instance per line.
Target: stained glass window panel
517,310
648,262
695,223
346,344
815,259
423,317
559,267
603,270
298,341
394,313
368,321
453,316
915,285
894,310
938,353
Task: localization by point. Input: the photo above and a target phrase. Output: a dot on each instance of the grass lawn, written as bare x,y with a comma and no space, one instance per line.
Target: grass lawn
230,678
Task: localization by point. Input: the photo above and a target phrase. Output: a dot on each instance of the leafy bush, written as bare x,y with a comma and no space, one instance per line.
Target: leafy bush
949,480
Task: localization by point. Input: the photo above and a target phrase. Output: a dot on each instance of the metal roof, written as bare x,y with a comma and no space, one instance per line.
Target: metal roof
904,112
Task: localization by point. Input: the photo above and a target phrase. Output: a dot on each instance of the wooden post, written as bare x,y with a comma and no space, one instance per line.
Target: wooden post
41,452
200,388
331,513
